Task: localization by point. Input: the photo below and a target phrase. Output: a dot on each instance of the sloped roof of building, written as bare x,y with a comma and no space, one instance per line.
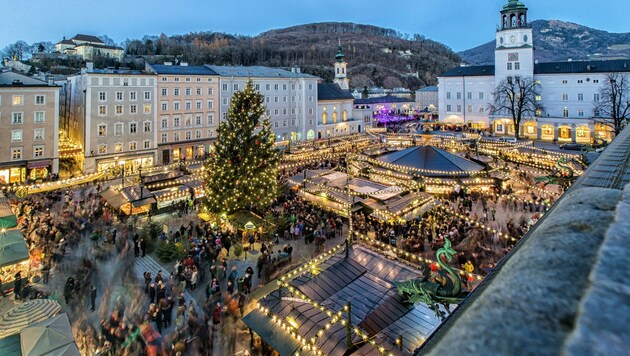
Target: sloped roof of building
572,67
256,72
432,88
181,70
66,41
383,100
87,38
10,79
332,91
430,158
469,71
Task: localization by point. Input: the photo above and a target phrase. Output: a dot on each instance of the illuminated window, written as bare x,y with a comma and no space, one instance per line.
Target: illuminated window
38,135
16,153
38,151
118,147
18,100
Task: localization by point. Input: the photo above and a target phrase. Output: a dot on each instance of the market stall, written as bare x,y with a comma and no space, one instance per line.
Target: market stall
14,256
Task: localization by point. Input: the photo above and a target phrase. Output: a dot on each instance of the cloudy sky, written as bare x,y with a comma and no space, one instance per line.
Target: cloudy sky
460,24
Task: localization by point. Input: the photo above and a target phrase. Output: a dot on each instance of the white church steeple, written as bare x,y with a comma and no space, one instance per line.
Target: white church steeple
340,70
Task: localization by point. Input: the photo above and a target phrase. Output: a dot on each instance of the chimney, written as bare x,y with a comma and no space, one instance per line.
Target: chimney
183,64
168,63
89,66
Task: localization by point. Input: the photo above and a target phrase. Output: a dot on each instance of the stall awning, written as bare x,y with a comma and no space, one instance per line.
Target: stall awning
7,218
12,247
38,164
143,202
268,331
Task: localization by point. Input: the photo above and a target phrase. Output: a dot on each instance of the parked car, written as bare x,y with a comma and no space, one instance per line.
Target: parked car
507,139
574,146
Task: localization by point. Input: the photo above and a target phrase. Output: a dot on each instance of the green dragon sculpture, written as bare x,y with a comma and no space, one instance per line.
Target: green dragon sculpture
445,288
557,176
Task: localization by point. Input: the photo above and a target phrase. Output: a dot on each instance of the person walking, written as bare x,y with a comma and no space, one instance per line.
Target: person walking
152,293
216,316
17,285
93,297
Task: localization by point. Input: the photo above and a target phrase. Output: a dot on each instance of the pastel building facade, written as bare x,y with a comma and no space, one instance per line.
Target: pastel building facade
29,134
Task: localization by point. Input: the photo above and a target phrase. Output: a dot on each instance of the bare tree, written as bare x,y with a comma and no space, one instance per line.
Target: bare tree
516,98
613,107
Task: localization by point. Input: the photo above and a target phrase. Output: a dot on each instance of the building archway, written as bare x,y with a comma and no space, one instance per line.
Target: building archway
564,133
583,134
530,130
546,132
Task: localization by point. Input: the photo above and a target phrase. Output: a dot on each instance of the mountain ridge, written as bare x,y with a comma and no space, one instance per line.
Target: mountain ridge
556,41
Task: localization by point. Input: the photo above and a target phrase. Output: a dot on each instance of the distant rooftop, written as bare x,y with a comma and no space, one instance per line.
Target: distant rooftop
98,45
257,72
87,38
181,70
428,89
332,91
11,79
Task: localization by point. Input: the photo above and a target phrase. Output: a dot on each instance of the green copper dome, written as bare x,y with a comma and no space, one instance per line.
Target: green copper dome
513,5
339,56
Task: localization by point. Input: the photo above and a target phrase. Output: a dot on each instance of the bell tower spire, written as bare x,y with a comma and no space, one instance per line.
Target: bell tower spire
514,51
340,69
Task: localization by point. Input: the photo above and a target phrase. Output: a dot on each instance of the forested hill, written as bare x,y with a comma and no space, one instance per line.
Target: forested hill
375,55
559,41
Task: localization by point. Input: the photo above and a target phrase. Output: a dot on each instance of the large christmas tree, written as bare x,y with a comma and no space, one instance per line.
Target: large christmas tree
242,172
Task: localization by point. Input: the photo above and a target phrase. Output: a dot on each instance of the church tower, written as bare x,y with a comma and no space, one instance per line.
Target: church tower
340,70
514,52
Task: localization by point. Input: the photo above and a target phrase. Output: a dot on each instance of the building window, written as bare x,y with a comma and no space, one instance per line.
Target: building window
470,108
187,79
176,105
198,104
40,117
284,87
448,95
102,110
102,130
197,120
188,135
147,126
538,112
276,112
164,79
119,109
310,98
509,66
188,92
102,96
40,100
118,129
198,91
448,108
147,144
580,97
224,87
176,136
565,97
276,99
164,138
235,87
119,96
176,91
133,109
147,95
310,87
118,147
580,81
38,151
284,111
565,112
176,79
224,116
133,146
164,105
284,99
210,104
147,108
595,81
275,124
102,149
210,91
595,97
188,121
164,91
16,135
284,123
38,135
211,119
517,66
164,123
225,101
538,98
469,95
198,134
581,113
257,87
16,153
459,108
481,109
565,82
133,127
310,111
17,118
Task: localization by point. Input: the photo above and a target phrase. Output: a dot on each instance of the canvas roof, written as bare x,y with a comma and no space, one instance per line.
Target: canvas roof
365,279
52,336
12,247
430,158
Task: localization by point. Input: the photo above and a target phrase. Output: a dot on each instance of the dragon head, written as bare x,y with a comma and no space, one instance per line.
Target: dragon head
447,250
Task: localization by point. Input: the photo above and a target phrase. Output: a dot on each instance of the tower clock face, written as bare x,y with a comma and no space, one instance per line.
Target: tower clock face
512,39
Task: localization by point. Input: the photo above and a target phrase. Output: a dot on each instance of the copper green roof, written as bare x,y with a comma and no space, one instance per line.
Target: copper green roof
513,5
339,57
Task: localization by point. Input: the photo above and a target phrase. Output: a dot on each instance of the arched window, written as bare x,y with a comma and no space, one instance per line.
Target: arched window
344,116
337,70
324,118
334,116
343,70
505,21
513,20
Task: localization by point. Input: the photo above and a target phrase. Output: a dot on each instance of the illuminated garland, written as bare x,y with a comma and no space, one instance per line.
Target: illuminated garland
451,211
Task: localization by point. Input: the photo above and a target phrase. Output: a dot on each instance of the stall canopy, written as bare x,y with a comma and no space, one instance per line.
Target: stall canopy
49,337
7,218
432,159
12,247
27,314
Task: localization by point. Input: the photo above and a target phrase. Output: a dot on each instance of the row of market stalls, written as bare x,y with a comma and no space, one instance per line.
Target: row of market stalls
154,192
14,255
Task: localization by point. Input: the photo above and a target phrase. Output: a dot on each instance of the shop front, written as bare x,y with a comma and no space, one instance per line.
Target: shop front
12,175
39,169
130,164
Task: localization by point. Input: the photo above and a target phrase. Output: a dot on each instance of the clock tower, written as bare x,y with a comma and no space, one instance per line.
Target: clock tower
341,77
514,52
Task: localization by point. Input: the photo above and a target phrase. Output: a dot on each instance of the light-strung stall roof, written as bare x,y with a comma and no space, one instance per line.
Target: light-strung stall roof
12,247
365,279
431,159
7,217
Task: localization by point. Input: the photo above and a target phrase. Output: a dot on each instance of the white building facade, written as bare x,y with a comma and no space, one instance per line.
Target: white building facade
290,97
569,90
119,119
